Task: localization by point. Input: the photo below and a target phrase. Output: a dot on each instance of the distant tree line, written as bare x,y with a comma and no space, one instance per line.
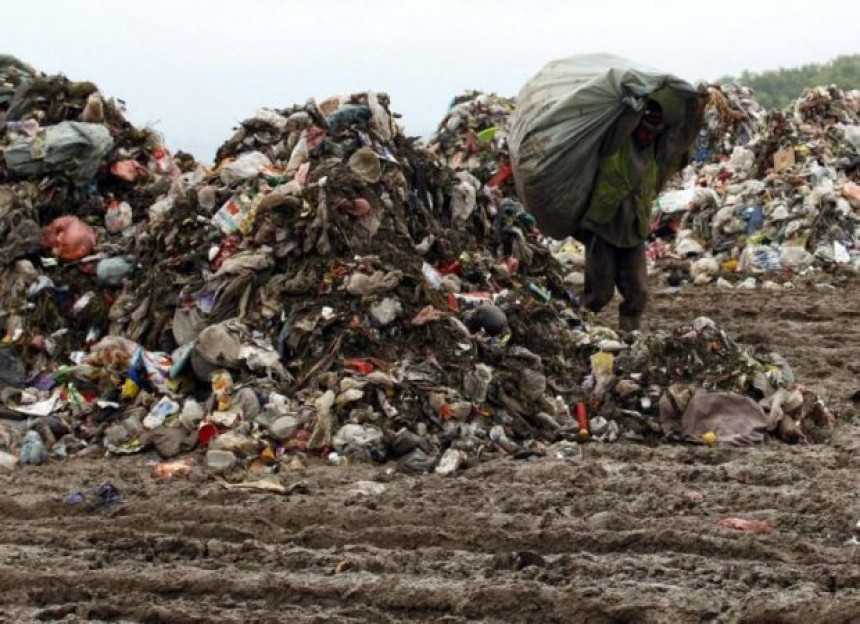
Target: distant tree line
777,88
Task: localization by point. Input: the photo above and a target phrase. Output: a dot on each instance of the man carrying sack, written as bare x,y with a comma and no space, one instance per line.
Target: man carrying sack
593,140
618,218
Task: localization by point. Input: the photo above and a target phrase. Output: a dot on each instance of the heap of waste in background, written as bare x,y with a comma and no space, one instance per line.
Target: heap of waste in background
770,194
472,140
331,289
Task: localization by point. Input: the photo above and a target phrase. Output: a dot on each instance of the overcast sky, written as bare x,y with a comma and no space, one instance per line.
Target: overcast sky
194,69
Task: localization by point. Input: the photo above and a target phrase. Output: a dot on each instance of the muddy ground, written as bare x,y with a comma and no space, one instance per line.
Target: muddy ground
621,533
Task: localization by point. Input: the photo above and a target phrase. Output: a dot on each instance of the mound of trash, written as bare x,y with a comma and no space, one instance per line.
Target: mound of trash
773,193
769,195
326,290
473,137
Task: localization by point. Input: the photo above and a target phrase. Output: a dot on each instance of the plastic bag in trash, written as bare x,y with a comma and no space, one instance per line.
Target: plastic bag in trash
246,167
69,238
73,148
118,217
235,215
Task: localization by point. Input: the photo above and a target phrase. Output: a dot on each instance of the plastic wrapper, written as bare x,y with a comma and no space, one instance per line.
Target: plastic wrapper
222,388
118,217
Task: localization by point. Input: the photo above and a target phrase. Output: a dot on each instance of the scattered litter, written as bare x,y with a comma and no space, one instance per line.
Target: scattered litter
743,524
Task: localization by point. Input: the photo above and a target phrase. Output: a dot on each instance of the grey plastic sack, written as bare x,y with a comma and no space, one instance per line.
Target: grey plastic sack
72,148
562,115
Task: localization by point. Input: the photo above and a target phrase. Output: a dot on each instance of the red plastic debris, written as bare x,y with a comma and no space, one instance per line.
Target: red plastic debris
207,433
341,270
299,442
582,417
452,303
69,238
128,170
743,524
359,366
451,267
445,412
357,207
226,249
163,162
501,176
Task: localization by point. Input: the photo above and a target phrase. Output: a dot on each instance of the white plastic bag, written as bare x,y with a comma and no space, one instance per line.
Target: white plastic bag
246,167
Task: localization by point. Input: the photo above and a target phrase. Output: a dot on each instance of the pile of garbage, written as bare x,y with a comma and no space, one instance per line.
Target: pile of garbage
323,291
733,117
472,139
696,384
770,194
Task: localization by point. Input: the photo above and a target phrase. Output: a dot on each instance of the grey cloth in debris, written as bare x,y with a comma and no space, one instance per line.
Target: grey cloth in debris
735,419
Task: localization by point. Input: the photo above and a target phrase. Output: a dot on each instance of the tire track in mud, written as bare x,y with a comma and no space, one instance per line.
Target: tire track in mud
613,535
621,533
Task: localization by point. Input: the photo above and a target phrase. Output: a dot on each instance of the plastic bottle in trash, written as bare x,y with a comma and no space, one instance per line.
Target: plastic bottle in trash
29,126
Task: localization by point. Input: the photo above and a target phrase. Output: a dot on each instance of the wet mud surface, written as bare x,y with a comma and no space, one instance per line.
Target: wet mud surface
617,533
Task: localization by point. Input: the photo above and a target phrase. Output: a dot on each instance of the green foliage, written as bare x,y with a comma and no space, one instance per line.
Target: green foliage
777,88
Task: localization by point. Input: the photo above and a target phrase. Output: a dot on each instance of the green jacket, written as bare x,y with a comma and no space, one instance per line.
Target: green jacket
613,186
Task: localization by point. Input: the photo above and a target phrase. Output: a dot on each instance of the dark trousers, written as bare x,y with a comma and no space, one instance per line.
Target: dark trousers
608,266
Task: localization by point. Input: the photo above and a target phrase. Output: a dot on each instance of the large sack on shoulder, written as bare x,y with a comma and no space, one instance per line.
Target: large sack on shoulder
562,115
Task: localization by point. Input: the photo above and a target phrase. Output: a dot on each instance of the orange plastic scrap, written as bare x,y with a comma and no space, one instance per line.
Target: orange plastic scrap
851,192
744,524
268,455
69,238
170,469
